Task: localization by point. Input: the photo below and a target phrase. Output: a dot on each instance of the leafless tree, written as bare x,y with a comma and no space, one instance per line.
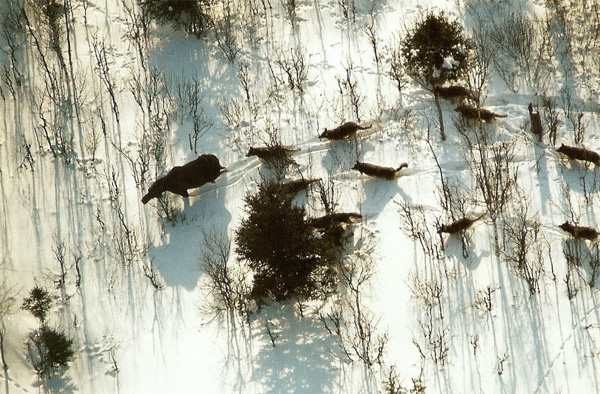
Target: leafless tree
371,30
60,252
522,44
153,276
482,56
349,90
226,32
348,9
293,67
232,113
104,74
429,291
573,112
523,244
127,245
396,71
227,287
273,335
290,7
484,302
327,195
138,28
190,105
418,225
7,297
354,326
14,36
493,168
550,112
500,363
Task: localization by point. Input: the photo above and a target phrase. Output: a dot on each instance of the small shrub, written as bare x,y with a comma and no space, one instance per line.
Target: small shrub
287,258
189,15
38,303
48,349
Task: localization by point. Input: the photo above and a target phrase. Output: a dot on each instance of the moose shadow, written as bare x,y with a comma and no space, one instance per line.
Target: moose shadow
585,257
178,257
343,154
377,193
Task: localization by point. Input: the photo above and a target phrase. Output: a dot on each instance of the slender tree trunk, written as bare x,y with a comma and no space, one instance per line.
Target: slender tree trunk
440,115
2,355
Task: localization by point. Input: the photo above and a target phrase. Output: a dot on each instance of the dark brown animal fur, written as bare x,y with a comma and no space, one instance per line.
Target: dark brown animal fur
453,92
471,112
346,130
536,122
574,152
459,225
580,232
378,171
332,226
206,168
332,219
271,152
295,186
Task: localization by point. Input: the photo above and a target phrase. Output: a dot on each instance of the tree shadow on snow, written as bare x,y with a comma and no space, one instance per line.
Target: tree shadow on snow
302,360
177,259
59,383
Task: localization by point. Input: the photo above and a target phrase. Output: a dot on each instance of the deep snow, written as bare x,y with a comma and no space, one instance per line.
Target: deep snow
131,338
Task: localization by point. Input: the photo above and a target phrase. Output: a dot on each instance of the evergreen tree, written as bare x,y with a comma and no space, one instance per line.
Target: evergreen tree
189,15
38,303
49,349
435,51
286,256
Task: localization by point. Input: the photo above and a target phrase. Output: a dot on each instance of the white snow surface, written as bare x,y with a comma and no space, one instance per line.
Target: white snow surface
130,338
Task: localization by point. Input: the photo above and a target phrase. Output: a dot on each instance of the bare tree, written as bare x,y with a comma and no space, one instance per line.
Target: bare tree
226,32
294,68
522,45
226,286
190,105
104,74
434,330
354,326
349,90
327,195
482,57
371,31
127,245
524,244
493,168
551,119
14,36
150,272
418,225
60,252
7,296
485,303
396,71
573,112
348,9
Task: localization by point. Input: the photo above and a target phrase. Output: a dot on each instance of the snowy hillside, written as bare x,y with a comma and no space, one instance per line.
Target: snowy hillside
98,101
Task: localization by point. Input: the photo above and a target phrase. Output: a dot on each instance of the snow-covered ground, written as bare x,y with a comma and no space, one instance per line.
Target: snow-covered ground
77,153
